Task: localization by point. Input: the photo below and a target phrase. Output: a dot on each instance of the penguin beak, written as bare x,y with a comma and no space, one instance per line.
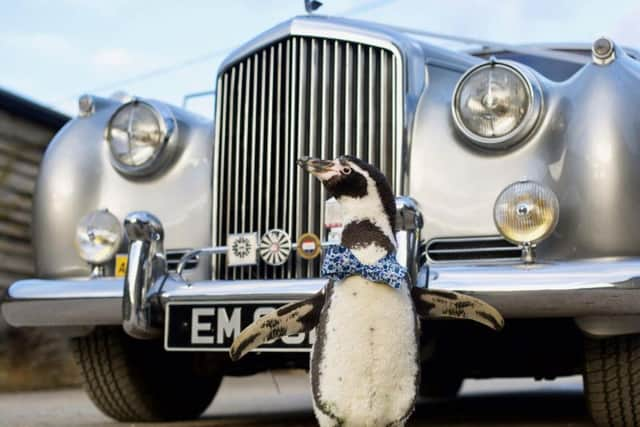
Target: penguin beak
324,170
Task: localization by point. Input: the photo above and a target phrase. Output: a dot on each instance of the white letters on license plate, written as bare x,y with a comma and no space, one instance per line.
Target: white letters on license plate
210,327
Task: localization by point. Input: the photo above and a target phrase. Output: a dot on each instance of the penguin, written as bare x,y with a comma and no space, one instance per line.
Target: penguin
365,364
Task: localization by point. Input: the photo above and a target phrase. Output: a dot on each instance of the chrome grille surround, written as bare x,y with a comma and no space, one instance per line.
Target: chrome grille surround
472,249
267,116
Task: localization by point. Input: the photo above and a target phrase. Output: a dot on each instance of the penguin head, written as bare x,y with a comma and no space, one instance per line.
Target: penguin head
349,178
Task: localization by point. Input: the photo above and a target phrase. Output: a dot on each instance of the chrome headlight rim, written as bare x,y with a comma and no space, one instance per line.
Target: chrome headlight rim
528,122
168,130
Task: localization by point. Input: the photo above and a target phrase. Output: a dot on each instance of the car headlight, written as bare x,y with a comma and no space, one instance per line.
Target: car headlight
98,236
526,212
496,104
138,134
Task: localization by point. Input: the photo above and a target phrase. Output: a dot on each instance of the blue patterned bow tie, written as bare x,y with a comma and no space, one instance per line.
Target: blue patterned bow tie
339,262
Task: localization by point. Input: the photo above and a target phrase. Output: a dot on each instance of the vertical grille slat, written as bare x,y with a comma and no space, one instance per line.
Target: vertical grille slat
360,100
292,147
325,133
218,263
337,101
394,123
302,149
229,168
348,109
384,101
299,96
372,142
268,220
254,121
288,164
312,184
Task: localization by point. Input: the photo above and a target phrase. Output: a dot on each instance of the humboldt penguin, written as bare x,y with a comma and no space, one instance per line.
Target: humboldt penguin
365,365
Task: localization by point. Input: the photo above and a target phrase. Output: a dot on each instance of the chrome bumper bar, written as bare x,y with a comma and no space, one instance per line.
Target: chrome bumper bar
586,288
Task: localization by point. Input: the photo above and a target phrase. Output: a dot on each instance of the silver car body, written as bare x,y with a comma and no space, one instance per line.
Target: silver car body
584,147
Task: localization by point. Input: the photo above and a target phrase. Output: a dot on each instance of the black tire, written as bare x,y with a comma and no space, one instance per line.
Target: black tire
612,380
135,380
437,385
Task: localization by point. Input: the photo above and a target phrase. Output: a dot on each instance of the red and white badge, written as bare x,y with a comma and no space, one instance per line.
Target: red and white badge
308,246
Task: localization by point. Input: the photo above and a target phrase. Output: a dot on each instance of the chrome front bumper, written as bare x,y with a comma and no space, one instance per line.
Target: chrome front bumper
600,294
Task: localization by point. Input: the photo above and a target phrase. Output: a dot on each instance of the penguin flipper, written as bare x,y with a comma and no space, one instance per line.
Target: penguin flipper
436,304
290,319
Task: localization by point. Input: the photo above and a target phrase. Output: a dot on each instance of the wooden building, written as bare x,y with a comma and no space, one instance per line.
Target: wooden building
25,130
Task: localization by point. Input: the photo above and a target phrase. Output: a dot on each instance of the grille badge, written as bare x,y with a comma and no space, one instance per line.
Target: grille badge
242,249
275,247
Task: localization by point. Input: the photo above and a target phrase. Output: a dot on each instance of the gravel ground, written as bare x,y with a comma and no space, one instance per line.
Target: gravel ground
283,399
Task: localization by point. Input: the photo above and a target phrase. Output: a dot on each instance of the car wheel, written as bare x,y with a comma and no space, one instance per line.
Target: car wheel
136,380
612,380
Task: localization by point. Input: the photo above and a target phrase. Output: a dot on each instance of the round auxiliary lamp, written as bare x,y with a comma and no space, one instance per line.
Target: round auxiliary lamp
526,213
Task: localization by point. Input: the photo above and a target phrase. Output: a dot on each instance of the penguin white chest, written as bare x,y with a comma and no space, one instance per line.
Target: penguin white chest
367,359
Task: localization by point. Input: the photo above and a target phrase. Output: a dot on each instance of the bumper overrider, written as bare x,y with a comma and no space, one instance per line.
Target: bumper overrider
602,295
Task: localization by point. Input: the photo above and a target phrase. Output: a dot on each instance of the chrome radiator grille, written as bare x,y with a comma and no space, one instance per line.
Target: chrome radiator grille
300,96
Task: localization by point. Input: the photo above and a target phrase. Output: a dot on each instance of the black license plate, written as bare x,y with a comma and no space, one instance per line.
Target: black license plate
209,326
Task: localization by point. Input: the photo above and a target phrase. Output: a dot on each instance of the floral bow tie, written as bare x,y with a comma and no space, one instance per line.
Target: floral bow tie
339,262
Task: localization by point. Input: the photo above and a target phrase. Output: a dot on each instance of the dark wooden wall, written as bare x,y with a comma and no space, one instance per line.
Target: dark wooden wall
29,358
25,130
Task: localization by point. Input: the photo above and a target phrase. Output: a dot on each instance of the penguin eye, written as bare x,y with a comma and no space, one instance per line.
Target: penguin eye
346,170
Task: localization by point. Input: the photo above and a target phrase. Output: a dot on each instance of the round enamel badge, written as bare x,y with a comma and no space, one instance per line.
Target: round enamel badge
275,247
308,246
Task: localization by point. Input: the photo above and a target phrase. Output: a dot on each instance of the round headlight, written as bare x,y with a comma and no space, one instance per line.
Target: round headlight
526,212
496,104
98,236
138,133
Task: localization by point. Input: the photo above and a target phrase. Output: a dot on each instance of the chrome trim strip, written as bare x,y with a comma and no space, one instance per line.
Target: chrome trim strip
473,250
501,246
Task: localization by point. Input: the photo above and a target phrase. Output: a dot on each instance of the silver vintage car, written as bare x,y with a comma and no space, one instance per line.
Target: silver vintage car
159,234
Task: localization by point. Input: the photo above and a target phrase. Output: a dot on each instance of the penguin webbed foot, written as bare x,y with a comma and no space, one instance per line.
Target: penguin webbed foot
439,304
290,319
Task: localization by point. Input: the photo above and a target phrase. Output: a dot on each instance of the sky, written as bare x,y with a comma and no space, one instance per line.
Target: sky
54,51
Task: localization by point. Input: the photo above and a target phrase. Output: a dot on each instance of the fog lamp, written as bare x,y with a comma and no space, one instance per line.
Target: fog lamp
98,236
526,212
